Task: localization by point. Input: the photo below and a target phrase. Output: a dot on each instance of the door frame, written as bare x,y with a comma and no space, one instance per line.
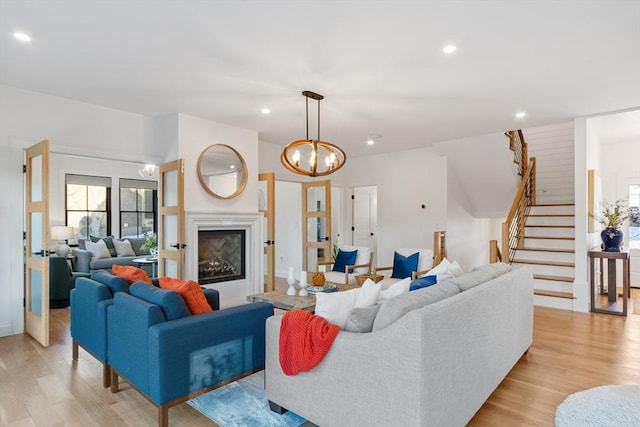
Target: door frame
325,214
168,249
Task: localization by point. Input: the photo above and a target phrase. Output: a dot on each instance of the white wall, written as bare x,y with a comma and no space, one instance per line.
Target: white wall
405,181
71,127
288,227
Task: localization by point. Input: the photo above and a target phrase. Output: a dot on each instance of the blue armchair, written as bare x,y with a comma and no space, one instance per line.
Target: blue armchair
171,361
89,302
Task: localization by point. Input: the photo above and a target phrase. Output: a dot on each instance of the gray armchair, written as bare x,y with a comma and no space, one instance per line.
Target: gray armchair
61,281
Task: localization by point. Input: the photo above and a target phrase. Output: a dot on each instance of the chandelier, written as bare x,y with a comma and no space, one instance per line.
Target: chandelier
312,157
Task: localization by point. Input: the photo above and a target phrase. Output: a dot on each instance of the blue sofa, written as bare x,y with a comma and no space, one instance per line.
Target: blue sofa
170,356
89,301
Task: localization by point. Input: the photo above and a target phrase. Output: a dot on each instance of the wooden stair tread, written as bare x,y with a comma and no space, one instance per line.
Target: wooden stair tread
550,237
549,226
550,215
538,262
567,295
554,204
567,251
555,278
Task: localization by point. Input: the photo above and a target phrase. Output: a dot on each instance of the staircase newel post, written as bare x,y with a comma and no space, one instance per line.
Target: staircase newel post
505,243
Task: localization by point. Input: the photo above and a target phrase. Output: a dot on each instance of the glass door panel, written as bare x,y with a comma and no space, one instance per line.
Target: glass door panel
316,220
37,237
170,233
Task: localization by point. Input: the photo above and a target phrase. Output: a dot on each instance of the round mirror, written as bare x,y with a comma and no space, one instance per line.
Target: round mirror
222,171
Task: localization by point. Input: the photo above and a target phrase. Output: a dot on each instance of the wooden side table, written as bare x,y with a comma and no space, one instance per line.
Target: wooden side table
612,293
361,278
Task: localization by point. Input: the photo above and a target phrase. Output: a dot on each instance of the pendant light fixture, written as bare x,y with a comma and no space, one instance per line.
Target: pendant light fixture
312,157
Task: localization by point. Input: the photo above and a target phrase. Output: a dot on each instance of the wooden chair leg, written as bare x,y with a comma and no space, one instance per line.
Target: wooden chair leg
74,349
163,416
114,380
106,375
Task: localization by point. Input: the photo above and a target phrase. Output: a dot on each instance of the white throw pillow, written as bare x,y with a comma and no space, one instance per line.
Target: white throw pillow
98,250
335,307
398,288
123,248
442,269
454,269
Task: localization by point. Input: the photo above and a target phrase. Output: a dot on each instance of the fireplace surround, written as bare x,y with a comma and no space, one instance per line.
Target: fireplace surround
233,290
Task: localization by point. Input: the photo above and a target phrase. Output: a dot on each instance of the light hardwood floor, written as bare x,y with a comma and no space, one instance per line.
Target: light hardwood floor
571,352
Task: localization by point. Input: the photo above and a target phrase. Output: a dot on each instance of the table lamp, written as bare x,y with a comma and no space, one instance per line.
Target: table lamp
62,234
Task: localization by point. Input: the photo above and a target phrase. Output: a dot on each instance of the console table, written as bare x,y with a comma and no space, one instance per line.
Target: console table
612,293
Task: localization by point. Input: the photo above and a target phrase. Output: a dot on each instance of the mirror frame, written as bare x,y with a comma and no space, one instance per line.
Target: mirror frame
243,164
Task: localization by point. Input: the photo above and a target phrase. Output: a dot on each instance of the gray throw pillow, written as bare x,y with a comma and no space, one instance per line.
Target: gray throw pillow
480,275
396,307
361,319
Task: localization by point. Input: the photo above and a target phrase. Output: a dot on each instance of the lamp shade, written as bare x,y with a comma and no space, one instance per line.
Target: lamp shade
60,232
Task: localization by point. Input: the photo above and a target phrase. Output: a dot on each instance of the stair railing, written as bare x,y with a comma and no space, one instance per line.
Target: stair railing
513,227
520,149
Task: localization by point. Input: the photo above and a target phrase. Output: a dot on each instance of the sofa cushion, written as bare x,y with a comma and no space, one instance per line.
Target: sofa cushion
480,275
130,274
171,302
404,266
123,248
343,259
97,249
190,291
398,288
114,283
136,242
108,241
394,308
361,319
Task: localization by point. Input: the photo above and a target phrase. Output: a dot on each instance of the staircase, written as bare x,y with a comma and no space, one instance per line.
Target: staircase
548,248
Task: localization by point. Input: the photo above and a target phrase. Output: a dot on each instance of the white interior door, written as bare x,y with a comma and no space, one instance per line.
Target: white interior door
171,228
37,256
365,216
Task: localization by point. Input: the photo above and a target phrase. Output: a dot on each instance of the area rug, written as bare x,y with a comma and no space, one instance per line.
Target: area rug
242,404
608,405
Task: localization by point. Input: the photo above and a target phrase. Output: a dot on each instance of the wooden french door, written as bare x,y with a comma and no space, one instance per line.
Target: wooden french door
268,209
316,223
37,236
171,224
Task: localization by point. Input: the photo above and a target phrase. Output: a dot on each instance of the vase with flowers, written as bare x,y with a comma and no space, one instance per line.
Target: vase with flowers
150,244
613,215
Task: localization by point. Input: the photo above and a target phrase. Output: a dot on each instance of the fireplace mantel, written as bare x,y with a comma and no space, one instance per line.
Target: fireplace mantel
232,292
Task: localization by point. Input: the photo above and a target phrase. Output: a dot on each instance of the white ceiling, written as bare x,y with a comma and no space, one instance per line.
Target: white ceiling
379,64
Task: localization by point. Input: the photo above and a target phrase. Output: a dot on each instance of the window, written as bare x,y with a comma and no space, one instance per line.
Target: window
634,216
88,207
138,207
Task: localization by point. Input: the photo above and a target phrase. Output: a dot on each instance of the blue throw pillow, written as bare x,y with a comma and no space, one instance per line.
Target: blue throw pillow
171,302
114,283
404,266
423,282
343,259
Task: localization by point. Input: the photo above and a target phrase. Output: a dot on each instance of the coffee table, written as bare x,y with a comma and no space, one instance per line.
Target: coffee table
146,261
281,300
361,278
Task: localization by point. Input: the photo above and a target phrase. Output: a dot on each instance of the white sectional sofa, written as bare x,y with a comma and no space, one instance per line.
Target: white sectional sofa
433,366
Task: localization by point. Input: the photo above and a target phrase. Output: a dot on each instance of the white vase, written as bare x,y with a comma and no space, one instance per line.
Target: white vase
291,280
303,284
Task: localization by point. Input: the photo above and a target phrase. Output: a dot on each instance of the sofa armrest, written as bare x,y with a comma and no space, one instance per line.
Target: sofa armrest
83,258
213,297
200,351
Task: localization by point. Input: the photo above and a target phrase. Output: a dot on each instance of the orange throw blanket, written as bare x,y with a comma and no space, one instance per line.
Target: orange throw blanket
304,340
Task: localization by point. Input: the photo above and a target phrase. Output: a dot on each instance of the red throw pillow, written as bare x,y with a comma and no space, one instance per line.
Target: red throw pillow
130,273
189,291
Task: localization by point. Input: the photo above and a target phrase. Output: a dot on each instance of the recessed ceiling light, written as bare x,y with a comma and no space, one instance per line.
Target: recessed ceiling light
232,166
520,114
450,48
370,141
265,111
22,37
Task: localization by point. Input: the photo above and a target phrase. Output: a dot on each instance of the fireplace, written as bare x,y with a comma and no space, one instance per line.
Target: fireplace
221,255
